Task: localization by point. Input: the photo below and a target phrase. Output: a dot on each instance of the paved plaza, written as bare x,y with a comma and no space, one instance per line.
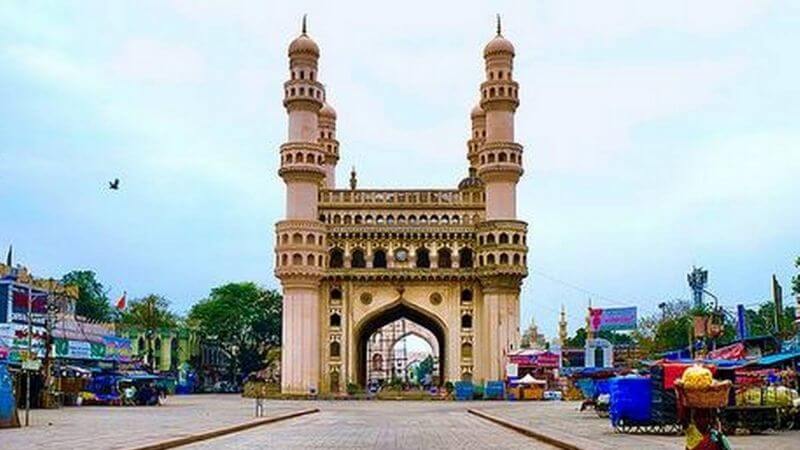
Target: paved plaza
341,425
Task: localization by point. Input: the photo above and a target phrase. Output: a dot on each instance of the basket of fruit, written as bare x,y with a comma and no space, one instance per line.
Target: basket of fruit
698,389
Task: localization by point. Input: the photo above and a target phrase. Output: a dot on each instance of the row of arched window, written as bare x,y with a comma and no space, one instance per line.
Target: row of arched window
297,238
499,92
301,91
400,219
499,75
301,74
297,259
480,134
300,158
325,134
502,259
501,157
358,258
502,238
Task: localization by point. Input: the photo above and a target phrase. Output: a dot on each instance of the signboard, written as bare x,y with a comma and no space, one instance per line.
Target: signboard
117,349
512,370
612,318
541,359
32,364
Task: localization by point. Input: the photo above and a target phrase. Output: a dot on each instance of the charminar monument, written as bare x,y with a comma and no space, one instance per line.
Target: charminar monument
352,261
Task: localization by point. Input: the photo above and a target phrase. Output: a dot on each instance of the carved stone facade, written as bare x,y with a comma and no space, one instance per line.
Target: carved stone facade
354,260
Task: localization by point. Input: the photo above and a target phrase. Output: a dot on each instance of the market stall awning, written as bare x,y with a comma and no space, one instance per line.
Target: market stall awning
777,358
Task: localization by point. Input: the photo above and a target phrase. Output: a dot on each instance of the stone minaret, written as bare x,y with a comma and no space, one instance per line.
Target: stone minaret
478,118
500,158
563,333
300,240
328,142
502,260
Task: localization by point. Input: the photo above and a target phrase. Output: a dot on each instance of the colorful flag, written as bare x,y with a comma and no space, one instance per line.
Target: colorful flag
122,301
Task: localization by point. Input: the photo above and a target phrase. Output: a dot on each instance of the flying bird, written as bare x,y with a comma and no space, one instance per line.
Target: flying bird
114,185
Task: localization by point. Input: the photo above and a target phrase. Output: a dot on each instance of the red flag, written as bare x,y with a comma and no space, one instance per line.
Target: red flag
122,301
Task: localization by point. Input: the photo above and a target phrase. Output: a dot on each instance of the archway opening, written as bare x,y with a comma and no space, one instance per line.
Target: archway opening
386,333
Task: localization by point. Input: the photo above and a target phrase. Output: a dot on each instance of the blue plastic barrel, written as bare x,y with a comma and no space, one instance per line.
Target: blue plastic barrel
464,390
6,397
630,399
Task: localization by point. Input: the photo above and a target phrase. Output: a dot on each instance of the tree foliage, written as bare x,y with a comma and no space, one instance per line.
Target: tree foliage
423,369
615,338
148,314
761,321
796,278
244,319
92,302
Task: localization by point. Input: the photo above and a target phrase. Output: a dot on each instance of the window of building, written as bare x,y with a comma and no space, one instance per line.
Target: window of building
335,320
466,296
465,257
379,259
335,350
466,321
336,258
444,258
357,259
423,257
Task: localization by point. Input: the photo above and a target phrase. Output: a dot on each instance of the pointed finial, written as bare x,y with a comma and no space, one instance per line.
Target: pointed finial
304,23
499,27
353,180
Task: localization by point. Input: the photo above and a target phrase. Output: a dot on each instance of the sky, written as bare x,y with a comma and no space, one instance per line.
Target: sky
658,136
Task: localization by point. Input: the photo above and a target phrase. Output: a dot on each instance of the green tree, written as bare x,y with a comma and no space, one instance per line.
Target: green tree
92,302
761,321
796,278
615,338
424,368
244,319
148,315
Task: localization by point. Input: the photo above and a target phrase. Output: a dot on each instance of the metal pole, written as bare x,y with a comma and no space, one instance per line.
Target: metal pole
30,350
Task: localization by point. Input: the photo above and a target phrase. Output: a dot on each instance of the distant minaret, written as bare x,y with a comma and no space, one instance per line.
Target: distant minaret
562,327
353,179
328,142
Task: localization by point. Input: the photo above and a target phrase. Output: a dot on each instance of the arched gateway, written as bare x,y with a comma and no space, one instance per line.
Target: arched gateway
353,260
401,309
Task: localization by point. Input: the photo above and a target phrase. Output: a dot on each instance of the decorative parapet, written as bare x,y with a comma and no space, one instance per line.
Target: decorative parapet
415,199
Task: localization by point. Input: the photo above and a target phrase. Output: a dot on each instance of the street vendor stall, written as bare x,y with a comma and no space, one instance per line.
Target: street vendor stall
529,388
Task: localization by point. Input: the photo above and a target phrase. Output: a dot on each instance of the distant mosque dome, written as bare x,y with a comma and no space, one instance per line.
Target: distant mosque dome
303,44
498,45
472,181
327,111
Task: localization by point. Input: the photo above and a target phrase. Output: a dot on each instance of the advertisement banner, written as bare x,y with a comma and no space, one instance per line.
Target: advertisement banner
612,318
117,349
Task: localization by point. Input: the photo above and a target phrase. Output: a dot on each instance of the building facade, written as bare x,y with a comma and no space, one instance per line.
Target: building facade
351,261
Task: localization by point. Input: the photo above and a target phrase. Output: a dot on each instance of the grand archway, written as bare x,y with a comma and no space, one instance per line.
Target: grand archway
378,320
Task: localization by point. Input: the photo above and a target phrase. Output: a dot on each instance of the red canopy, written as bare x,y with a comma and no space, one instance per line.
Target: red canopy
730,352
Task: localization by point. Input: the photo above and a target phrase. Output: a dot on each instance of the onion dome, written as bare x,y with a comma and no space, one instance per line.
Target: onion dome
327,111
472,181
499,44
477,111
303,43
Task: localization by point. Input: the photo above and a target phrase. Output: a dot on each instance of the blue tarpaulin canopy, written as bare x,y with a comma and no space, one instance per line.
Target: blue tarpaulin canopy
777,358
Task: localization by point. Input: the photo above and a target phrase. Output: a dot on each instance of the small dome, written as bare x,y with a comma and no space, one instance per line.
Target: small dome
472,181
327,111
498,45
477,111
303,44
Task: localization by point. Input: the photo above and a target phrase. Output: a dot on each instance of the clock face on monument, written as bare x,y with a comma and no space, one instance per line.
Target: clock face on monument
401,255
